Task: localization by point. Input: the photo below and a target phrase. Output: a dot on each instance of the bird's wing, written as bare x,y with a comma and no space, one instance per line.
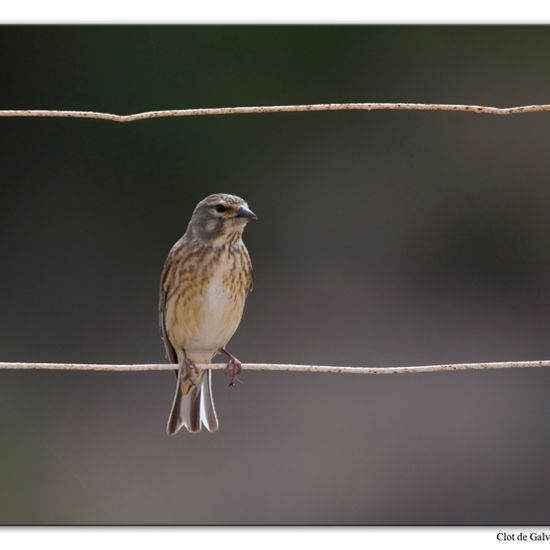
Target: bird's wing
164,284
250,280
248,269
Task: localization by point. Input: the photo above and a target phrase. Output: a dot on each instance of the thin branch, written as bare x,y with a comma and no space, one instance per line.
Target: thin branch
42,113
284,368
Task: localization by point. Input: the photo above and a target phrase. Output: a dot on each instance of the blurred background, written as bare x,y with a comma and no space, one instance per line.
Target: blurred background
385,239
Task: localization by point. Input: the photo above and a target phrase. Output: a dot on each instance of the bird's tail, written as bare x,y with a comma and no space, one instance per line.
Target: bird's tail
193,404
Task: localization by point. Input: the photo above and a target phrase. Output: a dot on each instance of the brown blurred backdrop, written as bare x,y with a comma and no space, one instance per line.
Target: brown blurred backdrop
385,238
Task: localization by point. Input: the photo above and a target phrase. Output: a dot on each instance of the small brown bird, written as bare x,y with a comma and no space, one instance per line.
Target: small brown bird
204,285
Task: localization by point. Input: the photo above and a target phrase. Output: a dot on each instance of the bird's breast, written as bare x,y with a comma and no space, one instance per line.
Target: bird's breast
209,319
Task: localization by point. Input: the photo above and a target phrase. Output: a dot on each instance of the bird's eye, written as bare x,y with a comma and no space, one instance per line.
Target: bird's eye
220,208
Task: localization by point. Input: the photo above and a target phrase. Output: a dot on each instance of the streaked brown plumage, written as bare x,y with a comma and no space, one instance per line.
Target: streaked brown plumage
204,285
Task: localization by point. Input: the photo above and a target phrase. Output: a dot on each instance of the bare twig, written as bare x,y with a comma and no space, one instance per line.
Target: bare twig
43,113
285,368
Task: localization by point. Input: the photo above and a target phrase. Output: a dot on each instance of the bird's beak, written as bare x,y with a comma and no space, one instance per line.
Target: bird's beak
246,213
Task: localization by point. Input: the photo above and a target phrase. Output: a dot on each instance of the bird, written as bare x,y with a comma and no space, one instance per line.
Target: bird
204,284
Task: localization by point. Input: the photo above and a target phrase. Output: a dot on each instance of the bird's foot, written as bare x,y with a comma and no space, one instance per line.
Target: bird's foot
233,369
188,368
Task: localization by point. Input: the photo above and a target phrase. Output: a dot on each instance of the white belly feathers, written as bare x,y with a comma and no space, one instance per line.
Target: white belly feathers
216,326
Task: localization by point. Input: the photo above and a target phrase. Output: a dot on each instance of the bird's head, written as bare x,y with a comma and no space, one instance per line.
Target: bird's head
220,218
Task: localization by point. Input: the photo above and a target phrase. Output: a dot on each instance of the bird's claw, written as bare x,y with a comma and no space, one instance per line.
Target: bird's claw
233,369
187,370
